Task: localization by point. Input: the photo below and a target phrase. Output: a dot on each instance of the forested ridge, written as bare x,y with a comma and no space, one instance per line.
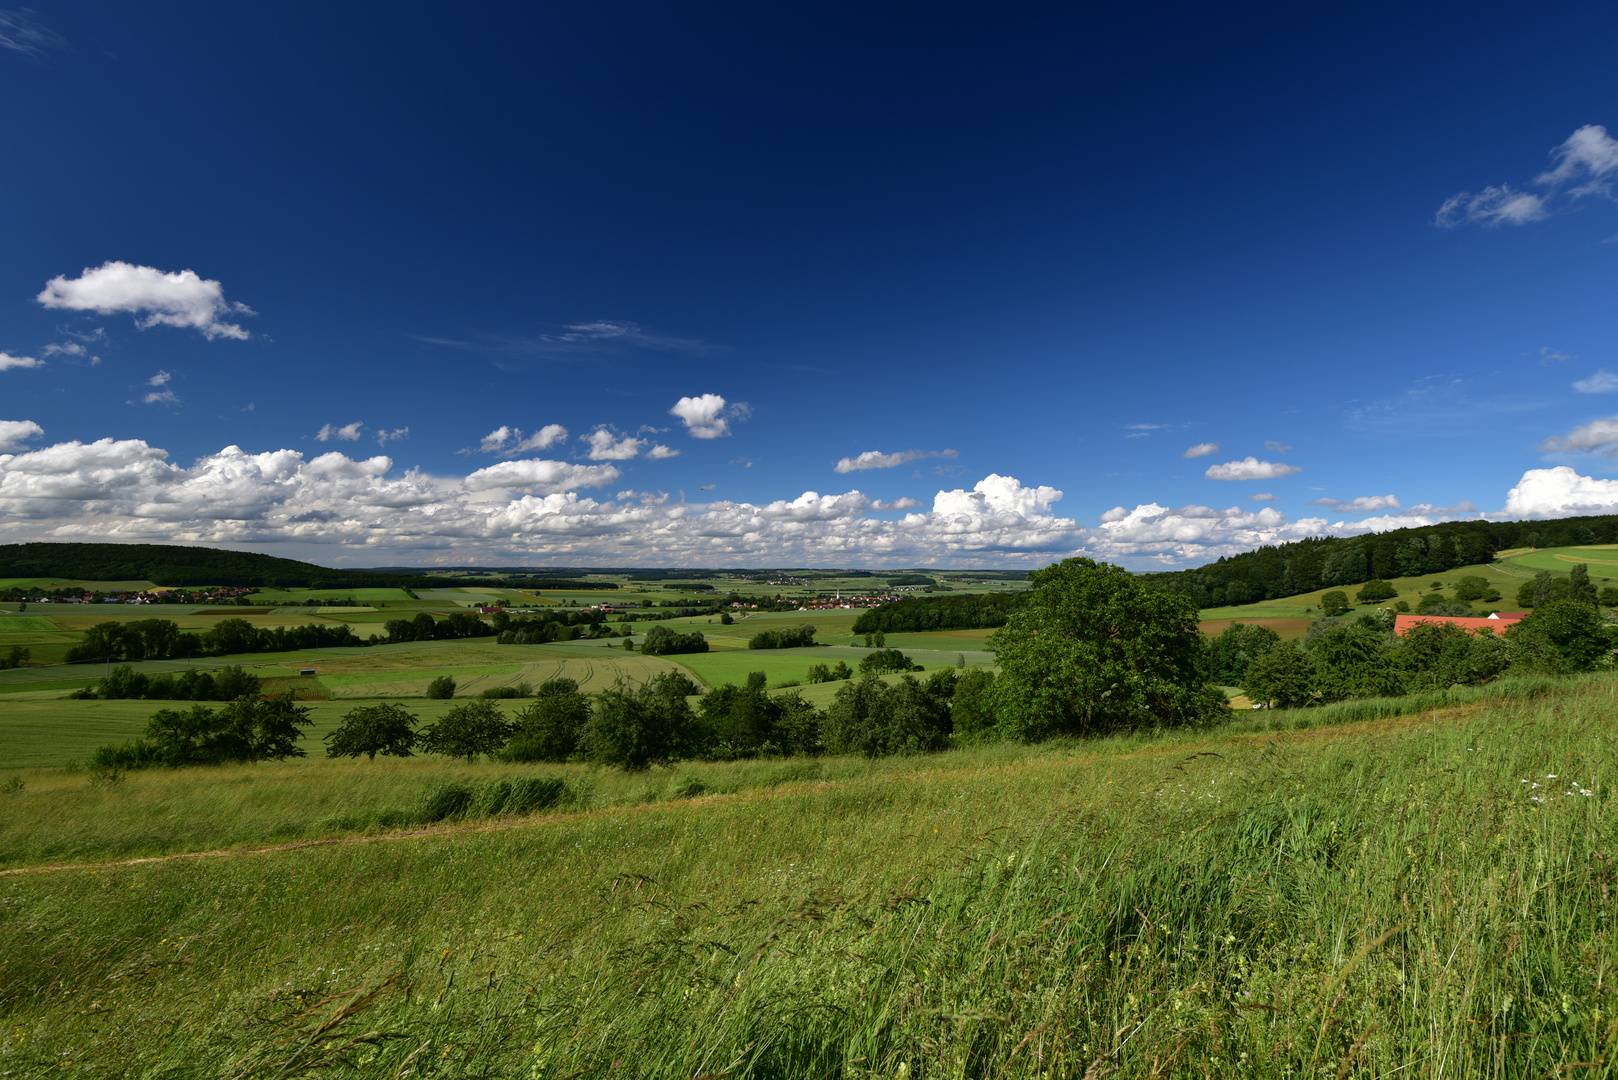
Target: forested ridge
1319,562
173,566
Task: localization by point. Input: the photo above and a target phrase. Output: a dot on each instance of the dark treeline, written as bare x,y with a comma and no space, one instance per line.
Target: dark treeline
460,624
786,637
161,639
193,684
172,567
915,614
1320,562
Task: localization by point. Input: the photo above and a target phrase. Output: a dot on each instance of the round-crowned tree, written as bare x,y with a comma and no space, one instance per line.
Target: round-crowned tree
385,729
1098,649
465,731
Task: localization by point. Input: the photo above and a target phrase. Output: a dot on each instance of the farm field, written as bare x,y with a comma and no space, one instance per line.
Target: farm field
1505,577
1374,899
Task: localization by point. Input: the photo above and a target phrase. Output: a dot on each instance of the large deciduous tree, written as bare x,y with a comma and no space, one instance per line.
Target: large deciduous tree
386,729
1099,649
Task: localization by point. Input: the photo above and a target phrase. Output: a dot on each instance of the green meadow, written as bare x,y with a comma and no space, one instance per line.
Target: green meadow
1422,895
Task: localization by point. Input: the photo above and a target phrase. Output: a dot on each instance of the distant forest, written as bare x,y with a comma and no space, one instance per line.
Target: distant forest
173,566
1318,562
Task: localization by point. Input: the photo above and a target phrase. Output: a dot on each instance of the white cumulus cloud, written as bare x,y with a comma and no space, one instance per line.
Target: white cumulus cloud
155,298
160,379
605,445
708,416
13,433
1202,449
162,397
7,362
660,452
538,474
1250,468
876,459
1560,492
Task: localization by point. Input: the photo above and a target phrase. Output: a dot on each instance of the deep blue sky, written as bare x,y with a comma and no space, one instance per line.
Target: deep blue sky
1066,244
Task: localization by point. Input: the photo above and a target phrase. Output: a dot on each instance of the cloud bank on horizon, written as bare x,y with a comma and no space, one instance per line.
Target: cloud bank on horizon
536,509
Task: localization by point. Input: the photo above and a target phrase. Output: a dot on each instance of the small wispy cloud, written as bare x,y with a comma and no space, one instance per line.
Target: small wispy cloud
160,379
661,453
1264,496
1598,435
511,441
576,340
1202,449
1276,447
385,437
1362,505
9,362
1585,165
1602,382
709,487
20,32
1549,356
346,433
876,459
162,397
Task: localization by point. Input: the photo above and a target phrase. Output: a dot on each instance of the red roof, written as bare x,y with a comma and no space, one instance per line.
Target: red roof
1498,624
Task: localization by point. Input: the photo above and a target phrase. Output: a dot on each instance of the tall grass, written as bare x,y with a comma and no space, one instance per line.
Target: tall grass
1424,896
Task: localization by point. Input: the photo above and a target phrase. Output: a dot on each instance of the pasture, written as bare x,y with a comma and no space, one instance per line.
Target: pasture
1406,896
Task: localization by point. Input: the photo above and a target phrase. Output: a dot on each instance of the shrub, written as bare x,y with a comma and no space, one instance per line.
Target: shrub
661,641
972,708
446,800
1375,591
872,718
550,727
636,728
886,660
441,687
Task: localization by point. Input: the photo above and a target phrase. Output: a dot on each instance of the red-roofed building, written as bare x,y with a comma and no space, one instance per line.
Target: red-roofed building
1497,623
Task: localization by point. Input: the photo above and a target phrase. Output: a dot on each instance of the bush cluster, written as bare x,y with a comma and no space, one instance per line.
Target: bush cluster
247,729
791,637
1336,660
224,684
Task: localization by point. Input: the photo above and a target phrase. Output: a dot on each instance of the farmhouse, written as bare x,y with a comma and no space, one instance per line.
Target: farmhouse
1497,623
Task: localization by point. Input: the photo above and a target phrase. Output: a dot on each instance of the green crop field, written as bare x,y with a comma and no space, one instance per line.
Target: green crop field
1420,896
1602,560
1504,577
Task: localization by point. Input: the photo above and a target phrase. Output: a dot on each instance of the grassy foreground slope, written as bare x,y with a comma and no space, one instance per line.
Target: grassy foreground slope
1419,896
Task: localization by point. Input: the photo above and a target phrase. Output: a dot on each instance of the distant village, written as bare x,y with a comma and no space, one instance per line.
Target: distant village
37,595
